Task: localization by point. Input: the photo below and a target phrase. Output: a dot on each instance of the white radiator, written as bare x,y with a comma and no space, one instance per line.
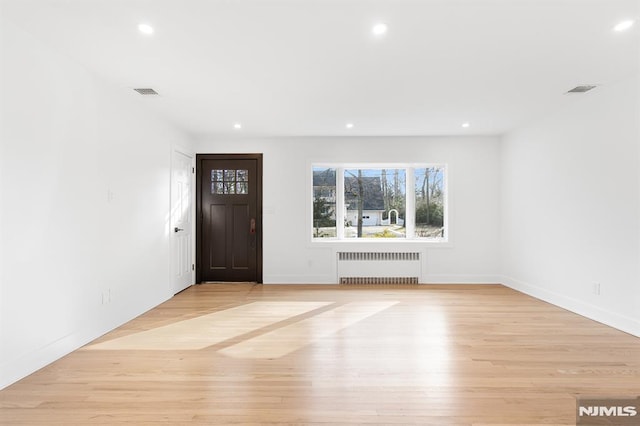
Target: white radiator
379,267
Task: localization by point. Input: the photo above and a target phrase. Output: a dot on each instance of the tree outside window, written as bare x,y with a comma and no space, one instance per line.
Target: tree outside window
373,202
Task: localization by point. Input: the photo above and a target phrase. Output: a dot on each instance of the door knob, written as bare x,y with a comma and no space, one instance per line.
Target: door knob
176,229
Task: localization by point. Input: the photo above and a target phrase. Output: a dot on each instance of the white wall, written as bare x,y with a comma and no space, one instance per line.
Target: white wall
68,139
563,194
291,257
571,206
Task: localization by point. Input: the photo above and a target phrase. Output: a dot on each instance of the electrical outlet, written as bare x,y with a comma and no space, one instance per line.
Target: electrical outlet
596,288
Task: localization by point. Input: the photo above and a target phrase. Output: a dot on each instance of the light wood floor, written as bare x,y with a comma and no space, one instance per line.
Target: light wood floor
428,355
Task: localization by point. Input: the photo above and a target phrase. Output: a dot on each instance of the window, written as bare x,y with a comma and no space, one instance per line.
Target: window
374,203
429,212
324,202
379,202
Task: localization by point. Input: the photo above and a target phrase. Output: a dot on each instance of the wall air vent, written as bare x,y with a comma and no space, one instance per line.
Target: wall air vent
581,89
146,91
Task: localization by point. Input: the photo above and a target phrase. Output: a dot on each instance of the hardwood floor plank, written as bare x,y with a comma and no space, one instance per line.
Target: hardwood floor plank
287,354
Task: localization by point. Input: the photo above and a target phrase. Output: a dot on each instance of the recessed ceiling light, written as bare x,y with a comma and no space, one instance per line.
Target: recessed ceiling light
379,29
349,126
624,25
466,125
237,126
145,29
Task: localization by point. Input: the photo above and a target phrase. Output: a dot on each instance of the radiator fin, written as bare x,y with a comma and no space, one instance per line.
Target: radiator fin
378,280
388,268
377,256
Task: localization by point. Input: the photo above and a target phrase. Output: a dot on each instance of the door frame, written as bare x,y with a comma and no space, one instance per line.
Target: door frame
198,237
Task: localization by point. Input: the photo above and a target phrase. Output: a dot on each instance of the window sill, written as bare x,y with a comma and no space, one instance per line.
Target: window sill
384,241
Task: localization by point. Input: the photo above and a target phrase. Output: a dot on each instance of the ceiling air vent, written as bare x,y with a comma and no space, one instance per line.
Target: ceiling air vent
581,89
146,91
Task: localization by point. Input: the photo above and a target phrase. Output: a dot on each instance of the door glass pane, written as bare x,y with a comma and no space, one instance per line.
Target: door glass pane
242,175
216,175
228,182
242,188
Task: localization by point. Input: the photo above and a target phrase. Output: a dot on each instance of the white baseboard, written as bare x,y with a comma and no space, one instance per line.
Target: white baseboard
17,369
299,279
460,279
588,310
35,360
428,279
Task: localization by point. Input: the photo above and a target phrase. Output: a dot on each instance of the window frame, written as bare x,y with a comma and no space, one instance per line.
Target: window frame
410,203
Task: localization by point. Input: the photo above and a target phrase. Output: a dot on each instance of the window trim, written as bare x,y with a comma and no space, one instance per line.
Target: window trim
410,203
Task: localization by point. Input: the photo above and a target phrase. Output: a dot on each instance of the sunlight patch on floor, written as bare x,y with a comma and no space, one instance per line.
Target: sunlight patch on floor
287,339
210,329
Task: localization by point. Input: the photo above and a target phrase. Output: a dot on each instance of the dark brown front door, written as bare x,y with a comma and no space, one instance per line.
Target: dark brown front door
229,225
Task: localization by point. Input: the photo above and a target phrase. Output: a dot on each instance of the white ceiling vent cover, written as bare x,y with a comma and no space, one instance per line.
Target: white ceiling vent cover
146,91
581,89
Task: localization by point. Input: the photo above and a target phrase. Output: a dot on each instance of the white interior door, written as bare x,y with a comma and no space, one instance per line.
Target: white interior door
182,272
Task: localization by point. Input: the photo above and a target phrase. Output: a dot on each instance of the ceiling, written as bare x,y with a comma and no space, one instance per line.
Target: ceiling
309,67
